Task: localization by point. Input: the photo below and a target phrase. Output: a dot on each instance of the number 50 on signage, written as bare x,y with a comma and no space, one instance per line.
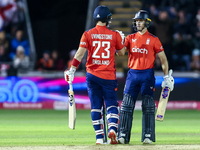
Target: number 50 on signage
22,91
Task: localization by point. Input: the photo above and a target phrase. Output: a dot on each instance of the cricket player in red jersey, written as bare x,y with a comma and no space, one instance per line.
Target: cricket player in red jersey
142,47
101,44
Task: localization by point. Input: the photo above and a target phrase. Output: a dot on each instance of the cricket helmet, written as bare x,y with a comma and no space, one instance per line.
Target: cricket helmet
142,14
102,13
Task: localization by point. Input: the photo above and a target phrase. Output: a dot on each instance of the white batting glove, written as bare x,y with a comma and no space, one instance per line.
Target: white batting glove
122,35
69,75
168,81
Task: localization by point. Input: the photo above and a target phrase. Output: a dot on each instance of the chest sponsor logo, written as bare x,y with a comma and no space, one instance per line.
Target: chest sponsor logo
139,50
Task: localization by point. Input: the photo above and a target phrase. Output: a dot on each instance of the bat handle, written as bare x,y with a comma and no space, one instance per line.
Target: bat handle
70,87
170,72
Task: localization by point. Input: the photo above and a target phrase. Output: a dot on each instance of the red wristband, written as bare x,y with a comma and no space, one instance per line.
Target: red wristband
75,62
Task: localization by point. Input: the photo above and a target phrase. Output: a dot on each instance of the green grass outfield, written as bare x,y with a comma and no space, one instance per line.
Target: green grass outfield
50,128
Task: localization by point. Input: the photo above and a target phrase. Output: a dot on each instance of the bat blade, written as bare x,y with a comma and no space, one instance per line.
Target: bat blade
72,110
162,104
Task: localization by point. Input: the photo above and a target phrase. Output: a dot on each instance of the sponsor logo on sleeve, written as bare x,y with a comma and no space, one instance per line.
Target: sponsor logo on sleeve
82,43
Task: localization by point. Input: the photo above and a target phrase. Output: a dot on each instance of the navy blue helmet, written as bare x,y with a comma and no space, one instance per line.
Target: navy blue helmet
102,13
142,14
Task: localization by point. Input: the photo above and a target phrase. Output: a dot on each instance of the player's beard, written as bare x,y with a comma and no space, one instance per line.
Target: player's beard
141,29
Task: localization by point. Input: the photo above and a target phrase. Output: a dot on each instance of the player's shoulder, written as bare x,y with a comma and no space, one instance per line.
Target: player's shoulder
90,30
131,35
152,35
111,31
95,30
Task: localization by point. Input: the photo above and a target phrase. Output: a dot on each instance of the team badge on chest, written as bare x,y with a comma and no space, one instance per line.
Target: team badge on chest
148,40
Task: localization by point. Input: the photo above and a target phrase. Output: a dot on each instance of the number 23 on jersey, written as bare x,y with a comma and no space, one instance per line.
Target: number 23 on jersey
105,45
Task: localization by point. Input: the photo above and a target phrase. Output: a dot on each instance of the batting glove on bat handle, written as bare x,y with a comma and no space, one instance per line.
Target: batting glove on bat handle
122,35
168,81
69,75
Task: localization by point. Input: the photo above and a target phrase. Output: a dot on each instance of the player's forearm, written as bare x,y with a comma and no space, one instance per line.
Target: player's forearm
78,57
121,52
164,62
165,67
80,53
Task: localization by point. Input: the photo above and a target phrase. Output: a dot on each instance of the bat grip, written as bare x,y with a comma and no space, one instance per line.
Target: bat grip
170,72
70,87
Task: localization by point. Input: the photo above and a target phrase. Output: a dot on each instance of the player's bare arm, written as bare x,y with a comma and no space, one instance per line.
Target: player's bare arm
121,52
79,54
69,74
168,79
164,62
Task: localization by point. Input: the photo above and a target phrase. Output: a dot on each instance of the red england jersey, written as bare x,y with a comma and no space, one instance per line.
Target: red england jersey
142,50
101,44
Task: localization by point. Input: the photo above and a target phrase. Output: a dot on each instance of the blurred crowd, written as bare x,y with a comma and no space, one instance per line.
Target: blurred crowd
14,45
175,22
177,25
53,61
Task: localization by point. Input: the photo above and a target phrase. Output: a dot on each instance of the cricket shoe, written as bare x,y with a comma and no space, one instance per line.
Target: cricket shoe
121,140
147,141
113,137
99,142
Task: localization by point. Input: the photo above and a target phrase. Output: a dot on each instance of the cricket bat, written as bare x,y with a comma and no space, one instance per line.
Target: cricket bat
164,96
72,108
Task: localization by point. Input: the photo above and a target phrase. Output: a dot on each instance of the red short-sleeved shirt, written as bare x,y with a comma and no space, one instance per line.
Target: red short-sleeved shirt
142,50
101,44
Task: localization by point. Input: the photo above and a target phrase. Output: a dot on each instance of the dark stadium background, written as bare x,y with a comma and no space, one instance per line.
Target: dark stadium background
57,24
